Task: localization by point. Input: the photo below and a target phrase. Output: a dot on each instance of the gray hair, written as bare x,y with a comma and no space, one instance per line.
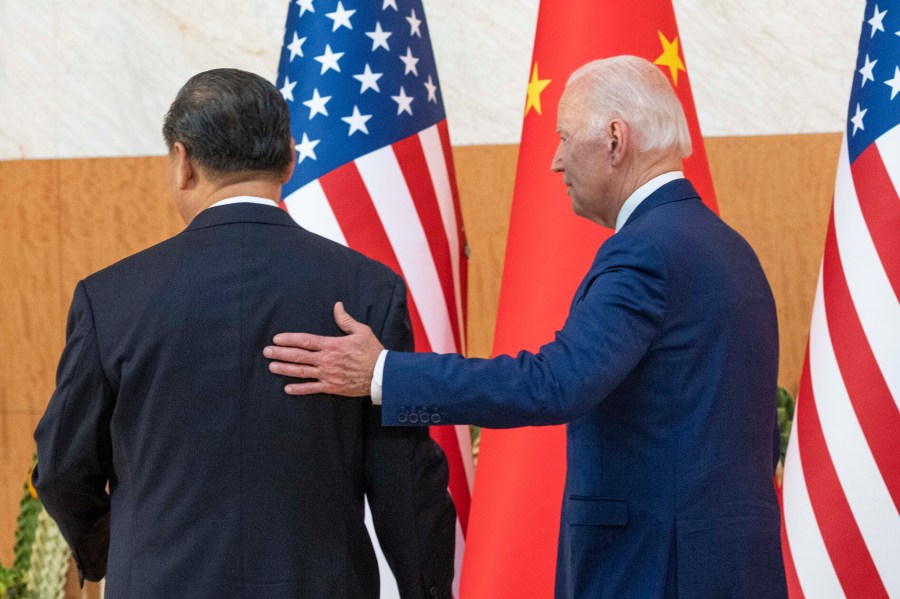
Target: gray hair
636,91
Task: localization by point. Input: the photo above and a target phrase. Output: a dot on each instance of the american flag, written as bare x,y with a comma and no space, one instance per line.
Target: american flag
842,477
375,170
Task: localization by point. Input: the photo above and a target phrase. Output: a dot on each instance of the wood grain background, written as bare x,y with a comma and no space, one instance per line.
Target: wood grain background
60,220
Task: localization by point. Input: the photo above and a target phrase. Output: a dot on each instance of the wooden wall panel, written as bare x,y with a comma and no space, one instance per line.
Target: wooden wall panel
485,178
30,327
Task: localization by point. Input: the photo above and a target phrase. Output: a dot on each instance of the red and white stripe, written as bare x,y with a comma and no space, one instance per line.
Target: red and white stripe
399,205
842,474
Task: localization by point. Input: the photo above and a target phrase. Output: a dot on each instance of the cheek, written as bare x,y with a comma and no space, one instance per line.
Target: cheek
581,167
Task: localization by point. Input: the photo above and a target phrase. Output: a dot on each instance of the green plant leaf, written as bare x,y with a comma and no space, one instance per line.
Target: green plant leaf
786,405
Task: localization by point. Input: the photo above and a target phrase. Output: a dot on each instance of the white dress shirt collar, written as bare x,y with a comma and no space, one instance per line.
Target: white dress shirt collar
642,193
245,199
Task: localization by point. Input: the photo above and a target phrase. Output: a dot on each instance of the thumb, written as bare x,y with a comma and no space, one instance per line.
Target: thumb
346,322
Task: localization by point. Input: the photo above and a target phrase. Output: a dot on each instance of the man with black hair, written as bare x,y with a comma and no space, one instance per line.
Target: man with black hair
218,486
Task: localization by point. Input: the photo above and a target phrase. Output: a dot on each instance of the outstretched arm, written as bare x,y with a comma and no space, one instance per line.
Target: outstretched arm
613,322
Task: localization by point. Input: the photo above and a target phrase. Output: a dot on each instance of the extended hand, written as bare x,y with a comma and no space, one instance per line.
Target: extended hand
338,365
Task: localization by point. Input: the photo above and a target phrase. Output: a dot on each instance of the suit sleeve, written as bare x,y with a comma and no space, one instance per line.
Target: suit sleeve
613,321
406,485
74,447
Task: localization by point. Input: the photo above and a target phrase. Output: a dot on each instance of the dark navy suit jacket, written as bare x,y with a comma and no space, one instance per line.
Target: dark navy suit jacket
220,485
665,373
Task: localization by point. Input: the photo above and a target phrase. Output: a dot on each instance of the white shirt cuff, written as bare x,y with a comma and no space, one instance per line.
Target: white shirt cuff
378,378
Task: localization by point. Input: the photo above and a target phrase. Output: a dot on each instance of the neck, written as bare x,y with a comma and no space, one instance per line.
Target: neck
650,168
639,173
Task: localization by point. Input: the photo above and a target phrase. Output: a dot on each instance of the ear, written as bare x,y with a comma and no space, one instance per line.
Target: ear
184,168
289,171
619,140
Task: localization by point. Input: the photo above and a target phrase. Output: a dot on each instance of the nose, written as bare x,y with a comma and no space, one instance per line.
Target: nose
557,164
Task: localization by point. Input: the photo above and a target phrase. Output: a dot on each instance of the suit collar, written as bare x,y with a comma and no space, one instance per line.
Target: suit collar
674,191
241,213
245,199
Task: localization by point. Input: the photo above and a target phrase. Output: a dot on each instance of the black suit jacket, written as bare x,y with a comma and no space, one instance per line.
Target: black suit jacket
220,485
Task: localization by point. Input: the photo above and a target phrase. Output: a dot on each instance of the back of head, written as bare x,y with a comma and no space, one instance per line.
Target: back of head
231,121
636,91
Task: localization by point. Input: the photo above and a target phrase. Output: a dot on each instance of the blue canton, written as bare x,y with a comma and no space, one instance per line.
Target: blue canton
875,98
383,57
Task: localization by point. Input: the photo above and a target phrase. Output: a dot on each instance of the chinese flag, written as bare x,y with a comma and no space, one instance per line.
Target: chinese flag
514,518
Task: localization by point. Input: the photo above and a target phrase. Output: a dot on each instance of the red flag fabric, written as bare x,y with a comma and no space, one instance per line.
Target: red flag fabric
514,519
841,492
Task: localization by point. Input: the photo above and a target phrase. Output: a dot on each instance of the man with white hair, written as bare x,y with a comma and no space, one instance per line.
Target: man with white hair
664,372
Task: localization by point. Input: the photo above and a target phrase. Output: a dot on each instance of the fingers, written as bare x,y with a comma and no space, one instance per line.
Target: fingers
296,371
292,354
346,322
301,340
334,365
305,388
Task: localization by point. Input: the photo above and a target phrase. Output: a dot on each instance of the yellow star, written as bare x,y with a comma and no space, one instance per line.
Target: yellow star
535,87
669,57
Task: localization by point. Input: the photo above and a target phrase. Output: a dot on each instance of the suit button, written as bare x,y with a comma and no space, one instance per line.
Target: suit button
424,417
413,418
401,418
435,419
433,591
